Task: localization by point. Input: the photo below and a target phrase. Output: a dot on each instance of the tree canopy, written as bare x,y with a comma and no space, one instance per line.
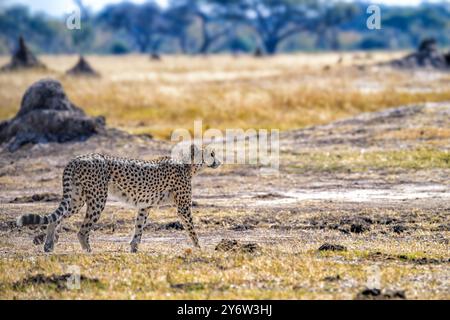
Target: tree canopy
210,26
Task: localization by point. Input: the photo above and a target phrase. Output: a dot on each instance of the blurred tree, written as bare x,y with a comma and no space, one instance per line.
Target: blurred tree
202,26
272,20
119,48
82,38
144,23
331,17
180,17
277,20
210,17
427,20
36,29
213,22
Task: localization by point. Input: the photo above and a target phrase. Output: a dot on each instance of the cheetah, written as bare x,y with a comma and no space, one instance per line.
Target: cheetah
88,179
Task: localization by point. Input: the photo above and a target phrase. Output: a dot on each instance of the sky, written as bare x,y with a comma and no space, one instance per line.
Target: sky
61,7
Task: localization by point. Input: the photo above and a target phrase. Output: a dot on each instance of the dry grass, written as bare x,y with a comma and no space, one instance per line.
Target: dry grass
290,267
284,92
362,161
277,274
424,134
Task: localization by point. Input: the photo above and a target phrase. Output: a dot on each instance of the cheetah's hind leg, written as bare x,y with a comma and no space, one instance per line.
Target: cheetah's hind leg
75,205
93,211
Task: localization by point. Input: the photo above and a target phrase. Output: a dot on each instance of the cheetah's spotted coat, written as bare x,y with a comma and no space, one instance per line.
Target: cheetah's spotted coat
87,180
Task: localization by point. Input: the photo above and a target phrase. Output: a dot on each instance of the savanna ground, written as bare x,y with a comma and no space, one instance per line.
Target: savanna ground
375,183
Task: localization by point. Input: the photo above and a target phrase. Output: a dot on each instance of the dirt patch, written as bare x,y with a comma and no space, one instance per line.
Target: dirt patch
399,228
47,115
359,228
270,195
377,294
426,56
380,256
188,286
155,56
332,247
59,281
332,278
370,130
242,227
232,245
423,260
345,225
442,227
38,197
23,58
173,225
40,238
7,225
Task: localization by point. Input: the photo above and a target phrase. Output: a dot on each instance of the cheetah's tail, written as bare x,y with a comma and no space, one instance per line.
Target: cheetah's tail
34,219
30,219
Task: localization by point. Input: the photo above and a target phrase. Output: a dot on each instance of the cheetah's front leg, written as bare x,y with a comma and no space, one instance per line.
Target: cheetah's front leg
141,220
184,211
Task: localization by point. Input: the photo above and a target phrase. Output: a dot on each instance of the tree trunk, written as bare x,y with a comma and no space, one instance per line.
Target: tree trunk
142,46
334,40
205,46
206,40
271,45
182,44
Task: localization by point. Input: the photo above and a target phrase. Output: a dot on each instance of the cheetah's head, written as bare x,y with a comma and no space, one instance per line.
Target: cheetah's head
199,157
210,158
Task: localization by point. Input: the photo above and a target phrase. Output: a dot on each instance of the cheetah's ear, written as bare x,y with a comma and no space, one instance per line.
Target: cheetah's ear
193,151
196,156
187,152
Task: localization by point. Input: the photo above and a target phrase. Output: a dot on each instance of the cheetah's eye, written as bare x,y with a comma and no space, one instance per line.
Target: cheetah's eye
212,154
